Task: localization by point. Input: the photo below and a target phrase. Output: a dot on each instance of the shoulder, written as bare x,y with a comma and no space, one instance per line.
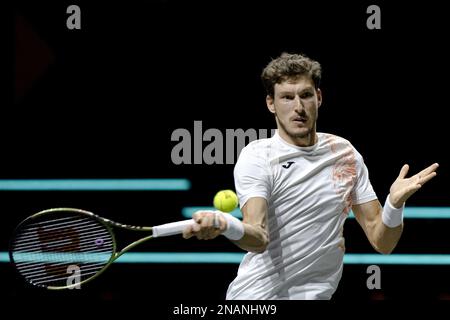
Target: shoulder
257,152
259,144
337,143
257,148
332,139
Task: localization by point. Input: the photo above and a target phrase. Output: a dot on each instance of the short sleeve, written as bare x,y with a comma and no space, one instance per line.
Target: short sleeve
363,191
252,175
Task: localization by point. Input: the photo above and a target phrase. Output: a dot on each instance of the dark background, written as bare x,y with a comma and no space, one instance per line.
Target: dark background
102,102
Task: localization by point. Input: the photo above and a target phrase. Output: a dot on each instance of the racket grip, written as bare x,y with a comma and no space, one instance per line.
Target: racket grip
170,229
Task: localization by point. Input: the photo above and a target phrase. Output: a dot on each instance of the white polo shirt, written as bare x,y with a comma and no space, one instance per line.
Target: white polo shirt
309,191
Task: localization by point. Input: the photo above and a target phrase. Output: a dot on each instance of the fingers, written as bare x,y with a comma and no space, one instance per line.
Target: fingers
423,176
430,169
426,174
403,188
404,171
423,180
197,216
223,224
188,232
205,228
409,190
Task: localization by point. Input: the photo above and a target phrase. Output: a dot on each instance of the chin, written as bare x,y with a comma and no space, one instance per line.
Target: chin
300,132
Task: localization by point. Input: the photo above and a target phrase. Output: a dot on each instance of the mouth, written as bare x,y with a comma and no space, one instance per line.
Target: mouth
300,120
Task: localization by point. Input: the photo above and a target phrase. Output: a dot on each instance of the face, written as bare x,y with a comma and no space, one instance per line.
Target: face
295,104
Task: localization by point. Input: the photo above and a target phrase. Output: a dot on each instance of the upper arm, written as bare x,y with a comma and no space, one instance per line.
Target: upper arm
255,212
253,182
252,176
367,208
362,192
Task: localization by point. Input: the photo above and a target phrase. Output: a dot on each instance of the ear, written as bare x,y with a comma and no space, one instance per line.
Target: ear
319,97
270,104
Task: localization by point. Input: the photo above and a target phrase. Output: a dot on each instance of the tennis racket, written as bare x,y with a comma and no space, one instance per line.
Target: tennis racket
62,248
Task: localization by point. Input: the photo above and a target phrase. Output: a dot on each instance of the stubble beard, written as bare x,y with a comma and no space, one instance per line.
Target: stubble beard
303,135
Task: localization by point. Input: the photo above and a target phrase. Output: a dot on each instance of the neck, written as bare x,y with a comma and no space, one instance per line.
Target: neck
306,140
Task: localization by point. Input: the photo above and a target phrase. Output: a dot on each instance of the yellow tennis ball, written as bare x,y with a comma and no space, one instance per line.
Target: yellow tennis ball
225,200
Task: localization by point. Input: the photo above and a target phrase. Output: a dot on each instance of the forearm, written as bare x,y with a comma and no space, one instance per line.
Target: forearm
255,238
385,239
255,231
383,226
387,227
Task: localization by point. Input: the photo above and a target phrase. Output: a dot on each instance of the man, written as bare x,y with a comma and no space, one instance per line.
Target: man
296,190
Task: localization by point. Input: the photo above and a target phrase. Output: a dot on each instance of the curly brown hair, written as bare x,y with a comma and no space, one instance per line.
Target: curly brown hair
290,66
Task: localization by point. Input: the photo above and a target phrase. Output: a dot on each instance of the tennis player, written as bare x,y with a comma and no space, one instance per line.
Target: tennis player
296,190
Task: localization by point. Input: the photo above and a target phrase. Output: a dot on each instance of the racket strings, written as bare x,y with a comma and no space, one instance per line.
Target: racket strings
54,268
48,252
64,245
64,230
43,276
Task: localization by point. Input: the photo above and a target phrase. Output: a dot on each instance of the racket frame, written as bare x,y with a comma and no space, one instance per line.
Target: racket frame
108,224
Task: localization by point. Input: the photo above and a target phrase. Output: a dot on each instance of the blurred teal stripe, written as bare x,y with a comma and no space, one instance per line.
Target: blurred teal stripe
95,185
235,258
4,257
62,257
410,212
403,259
187,212
424,213
181,257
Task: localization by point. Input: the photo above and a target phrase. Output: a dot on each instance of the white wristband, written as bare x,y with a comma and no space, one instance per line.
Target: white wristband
391,216
235,228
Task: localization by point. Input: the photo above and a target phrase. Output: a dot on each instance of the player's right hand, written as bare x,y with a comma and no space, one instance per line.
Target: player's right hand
209,225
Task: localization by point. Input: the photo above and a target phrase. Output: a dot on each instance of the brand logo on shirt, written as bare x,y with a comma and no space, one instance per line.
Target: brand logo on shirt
288,165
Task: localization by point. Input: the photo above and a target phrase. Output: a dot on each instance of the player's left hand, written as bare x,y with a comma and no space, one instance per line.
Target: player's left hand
403,187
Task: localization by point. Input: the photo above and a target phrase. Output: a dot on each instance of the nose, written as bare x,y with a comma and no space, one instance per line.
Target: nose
298,105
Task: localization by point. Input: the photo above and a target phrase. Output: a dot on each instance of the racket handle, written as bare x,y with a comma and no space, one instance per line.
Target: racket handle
169,229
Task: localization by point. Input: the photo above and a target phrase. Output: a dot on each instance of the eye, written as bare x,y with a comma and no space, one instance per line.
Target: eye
288,97
307,95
